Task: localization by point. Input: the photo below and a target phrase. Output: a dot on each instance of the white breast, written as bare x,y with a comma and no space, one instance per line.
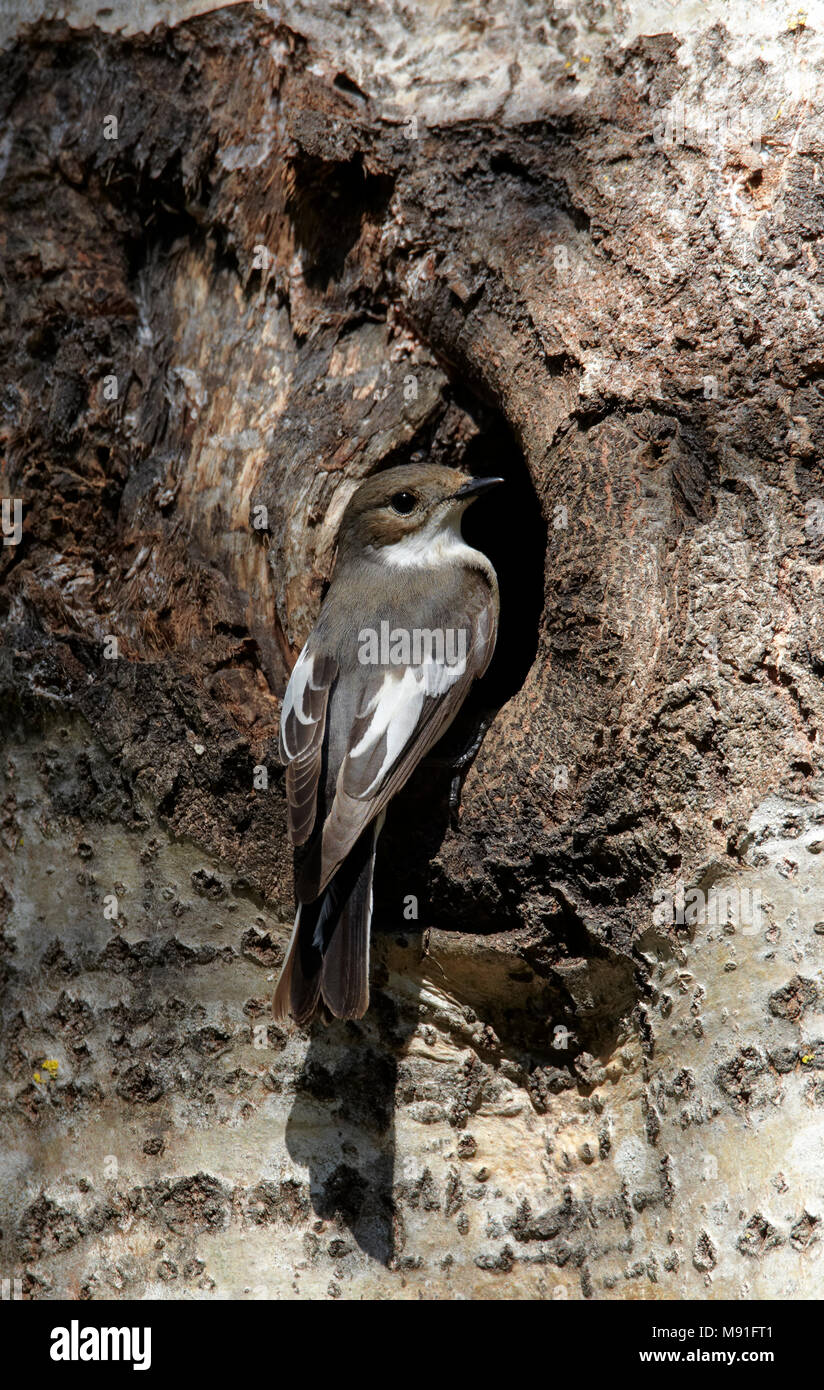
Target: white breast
437,543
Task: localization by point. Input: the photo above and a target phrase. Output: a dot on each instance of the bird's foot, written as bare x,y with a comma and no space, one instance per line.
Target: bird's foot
459,764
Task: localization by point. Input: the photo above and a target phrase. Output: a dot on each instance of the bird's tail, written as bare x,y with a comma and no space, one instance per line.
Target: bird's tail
328,956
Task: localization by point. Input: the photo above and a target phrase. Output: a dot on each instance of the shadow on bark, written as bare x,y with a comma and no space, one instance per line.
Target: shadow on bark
342,1126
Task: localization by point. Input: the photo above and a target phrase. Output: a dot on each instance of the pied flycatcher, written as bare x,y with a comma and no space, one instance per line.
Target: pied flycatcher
408,623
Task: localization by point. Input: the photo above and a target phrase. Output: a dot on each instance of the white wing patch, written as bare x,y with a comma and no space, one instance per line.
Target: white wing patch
402,713
395,711
294,701
302,725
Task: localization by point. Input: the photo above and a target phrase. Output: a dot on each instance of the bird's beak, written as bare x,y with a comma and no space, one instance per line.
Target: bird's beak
473,487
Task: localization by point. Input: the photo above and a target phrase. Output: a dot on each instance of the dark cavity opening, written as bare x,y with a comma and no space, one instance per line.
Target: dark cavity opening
508,526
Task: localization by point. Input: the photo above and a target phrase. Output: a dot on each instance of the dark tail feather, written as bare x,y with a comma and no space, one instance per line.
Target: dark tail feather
297,991
328,955
345,973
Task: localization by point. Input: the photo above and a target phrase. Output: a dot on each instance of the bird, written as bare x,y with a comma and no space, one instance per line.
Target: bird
409,622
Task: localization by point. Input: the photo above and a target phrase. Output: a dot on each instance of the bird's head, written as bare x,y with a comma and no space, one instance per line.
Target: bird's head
401,514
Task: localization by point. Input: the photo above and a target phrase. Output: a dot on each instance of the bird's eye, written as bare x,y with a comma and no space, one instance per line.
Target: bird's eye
403,502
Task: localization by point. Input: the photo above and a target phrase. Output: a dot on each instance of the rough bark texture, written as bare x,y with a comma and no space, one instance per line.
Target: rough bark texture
321,241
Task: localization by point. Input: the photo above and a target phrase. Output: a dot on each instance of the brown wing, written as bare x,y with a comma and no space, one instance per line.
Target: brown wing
397,715
302,728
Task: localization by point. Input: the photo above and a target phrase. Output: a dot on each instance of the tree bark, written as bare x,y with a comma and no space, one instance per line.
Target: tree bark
247,260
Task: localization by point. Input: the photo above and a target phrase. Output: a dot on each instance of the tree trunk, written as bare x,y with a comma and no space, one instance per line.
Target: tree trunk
247,261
